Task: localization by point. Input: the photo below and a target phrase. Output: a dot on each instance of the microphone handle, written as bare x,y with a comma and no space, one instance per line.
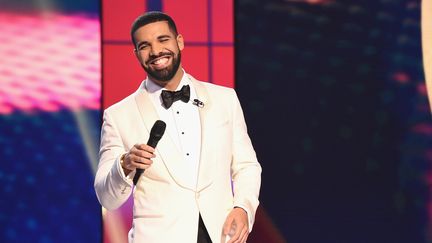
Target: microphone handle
152,142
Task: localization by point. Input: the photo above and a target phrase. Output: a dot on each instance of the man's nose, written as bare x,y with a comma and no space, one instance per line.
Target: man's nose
156,49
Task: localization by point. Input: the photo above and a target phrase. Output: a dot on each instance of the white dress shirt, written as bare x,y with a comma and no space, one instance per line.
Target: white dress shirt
183,124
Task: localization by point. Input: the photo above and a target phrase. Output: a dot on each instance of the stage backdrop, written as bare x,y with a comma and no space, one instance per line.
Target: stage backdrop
338,111
49,121
207,27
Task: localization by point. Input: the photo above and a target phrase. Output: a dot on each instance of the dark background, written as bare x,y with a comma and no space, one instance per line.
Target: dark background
332,95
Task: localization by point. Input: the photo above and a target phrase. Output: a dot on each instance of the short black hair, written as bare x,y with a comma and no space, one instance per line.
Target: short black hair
151,17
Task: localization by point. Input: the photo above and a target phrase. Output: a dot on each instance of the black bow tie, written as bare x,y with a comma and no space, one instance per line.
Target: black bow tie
169,97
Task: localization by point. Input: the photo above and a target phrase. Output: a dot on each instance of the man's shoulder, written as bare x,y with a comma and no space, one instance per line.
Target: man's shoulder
213,87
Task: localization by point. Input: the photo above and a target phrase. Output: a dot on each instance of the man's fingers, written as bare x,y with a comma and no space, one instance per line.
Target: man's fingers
227,225
144,147
244,235
141,156
235,237
140,160
133,161
142,166
236,226
145,154
240,235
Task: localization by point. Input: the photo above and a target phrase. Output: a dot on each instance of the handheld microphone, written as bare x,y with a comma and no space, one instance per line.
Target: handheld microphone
156,134
198,103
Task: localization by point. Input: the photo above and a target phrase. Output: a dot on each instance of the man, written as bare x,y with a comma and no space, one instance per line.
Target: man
201,183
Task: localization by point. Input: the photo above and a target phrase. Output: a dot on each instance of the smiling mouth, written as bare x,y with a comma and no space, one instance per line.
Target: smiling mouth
160,62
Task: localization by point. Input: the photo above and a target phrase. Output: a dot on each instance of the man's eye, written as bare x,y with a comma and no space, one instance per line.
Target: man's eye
163,40
142,47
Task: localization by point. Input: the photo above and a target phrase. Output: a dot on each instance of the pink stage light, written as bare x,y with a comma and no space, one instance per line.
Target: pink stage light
49,62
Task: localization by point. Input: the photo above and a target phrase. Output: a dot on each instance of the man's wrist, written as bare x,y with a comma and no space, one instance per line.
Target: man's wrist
241,209
125,170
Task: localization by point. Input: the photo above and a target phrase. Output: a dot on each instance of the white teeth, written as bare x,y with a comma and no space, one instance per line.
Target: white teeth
161,61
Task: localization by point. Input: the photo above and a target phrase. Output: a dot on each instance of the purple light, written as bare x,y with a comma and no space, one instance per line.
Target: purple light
49,62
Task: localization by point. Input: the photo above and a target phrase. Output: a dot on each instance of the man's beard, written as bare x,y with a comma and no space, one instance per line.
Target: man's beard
167,73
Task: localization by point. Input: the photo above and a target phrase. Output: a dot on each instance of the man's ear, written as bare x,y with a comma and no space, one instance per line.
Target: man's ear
180,42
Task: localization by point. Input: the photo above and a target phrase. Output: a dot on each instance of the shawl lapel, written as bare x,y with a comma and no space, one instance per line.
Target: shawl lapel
166,148
205,172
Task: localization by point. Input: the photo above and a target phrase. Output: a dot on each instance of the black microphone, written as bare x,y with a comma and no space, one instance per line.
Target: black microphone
156,134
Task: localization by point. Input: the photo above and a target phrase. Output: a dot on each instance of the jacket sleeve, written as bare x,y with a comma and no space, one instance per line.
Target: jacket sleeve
245,169
112,187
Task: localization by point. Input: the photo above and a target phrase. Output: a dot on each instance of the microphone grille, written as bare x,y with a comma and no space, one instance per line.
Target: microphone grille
158,129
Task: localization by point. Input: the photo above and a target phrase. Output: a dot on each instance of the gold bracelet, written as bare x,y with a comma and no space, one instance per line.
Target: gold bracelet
122,160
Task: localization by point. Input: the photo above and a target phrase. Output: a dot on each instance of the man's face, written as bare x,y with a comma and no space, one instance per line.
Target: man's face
158,50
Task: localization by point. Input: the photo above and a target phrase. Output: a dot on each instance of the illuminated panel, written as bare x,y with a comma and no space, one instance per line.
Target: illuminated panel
222,23
200,69
426,27
118,17
223,63
193,25
123,73
49,62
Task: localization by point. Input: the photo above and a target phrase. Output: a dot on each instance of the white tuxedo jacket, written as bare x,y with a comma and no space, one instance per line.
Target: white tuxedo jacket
166,209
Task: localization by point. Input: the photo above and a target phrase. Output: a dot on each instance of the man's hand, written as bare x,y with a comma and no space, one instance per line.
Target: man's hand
236,226
139,156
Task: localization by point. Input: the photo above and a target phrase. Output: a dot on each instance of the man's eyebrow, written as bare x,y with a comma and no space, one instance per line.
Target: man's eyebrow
159,37
164,36
141,43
